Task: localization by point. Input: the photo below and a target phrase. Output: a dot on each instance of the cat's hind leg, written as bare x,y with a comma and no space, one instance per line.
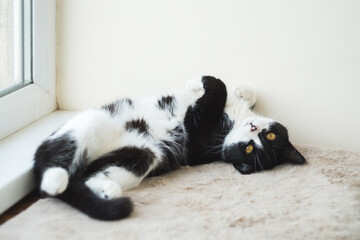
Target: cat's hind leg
54,181
53,159
61,155
112,181
119,170
104,187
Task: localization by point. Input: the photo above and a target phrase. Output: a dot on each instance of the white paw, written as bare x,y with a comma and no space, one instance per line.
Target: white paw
104,188
110,190
195,85
245,93
54,181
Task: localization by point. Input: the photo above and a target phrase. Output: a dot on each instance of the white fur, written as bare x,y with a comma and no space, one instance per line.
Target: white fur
54,181
94,132
124,178
242,132
104,187
99,134
238,109
111,184
246,93
196,86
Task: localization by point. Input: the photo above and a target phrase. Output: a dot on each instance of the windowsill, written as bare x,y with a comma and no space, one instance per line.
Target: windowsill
16,157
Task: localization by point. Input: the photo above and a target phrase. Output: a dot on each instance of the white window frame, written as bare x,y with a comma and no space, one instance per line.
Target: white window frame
34,101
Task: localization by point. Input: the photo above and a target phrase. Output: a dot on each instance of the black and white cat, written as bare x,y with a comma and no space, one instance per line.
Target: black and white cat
98,154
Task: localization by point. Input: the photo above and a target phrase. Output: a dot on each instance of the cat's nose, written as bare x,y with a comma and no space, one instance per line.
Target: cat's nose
252,127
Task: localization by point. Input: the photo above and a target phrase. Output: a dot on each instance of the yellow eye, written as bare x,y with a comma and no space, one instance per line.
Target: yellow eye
271,136
249,148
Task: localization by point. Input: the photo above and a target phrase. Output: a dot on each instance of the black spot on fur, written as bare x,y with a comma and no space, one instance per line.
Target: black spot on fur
53,133
139,125
129,102
134,159
111,107
115,107
167,103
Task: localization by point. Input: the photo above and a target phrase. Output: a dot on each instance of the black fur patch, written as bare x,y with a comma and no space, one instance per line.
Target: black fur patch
139,125
58,152
115,107
129,102
167,103
207,124
174,152
206,143
111,108
134,159
83,160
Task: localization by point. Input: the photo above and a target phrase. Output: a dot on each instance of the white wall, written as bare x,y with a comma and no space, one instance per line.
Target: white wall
301,56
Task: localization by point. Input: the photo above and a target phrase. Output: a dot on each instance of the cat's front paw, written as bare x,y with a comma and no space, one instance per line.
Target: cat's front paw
195,86
246,93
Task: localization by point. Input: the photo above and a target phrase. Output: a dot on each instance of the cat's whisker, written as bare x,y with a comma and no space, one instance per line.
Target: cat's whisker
274,156
217,148
220,135
258,160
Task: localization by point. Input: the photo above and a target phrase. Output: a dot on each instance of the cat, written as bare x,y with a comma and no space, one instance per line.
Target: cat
100,153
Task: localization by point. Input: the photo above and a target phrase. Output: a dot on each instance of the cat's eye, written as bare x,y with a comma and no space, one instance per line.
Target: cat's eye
271,136
249,148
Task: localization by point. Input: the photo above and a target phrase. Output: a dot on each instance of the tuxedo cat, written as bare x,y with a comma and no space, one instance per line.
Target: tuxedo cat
98,154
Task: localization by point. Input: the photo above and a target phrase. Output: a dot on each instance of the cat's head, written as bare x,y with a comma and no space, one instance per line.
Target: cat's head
258,144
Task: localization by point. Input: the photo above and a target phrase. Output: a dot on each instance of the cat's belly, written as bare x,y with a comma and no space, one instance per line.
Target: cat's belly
100,133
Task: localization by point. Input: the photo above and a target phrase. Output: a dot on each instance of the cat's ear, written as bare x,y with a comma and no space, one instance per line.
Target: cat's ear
244,168
292,155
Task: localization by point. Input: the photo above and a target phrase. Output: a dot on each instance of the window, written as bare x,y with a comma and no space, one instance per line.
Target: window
27,62
15,48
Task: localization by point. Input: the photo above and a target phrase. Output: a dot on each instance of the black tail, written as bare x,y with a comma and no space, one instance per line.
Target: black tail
81,197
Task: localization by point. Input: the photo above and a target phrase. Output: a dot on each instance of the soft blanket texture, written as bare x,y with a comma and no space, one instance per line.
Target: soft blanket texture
320,200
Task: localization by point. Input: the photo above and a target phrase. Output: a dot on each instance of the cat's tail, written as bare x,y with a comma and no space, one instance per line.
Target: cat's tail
78,195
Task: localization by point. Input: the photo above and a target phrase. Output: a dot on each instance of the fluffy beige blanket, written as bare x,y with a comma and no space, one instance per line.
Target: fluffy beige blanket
320,200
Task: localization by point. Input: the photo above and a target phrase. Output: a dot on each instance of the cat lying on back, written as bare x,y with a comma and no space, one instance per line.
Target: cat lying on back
98,154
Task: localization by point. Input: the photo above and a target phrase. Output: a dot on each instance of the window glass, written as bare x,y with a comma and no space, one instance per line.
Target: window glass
15,45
